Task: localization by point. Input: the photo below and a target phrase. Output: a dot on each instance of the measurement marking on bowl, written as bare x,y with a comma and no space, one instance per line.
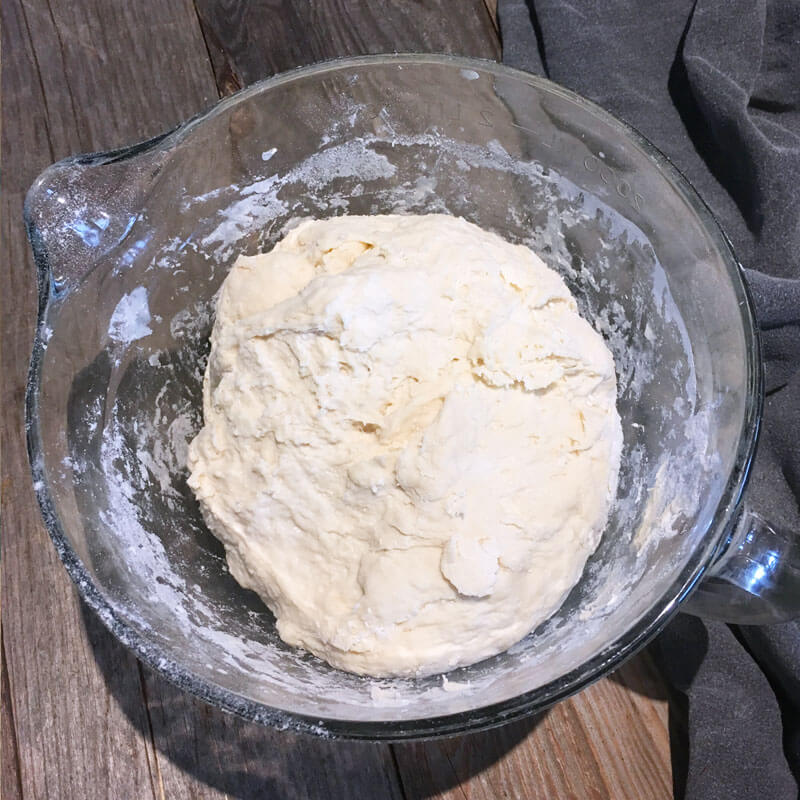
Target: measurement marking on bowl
622,187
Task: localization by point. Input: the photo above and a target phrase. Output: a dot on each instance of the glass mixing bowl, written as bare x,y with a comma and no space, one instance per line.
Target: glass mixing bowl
132,245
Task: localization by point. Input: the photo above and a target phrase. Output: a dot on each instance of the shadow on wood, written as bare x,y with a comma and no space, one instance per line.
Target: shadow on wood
430,769
234,758
640,675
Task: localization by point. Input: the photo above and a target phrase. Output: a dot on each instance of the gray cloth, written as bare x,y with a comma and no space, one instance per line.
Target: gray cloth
715,84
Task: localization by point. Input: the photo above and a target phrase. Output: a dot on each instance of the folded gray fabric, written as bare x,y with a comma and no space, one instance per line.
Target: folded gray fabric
715,84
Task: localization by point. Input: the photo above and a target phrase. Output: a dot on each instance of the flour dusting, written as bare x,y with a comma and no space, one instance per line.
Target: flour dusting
131,318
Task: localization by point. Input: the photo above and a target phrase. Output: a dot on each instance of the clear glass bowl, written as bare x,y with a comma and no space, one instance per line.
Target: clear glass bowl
132,245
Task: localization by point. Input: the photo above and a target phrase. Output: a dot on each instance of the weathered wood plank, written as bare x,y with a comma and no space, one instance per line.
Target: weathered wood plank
633,755
70,734
250,39
81,730
607,743
113,72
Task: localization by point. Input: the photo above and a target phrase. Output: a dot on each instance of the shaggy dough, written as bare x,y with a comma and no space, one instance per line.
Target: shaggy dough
411,442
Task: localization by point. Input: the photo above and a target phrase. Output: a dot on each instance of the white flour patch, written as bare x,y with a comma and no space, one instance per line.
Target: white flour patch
259,203
455,686
131,318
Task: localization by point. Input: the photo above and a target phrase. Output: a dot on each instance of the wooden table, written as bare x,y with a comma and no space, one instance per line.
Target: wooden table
82,718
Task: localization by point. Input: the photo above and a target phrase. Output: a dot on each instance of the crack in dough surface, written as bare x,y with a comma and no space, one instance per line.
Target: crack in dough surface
411,442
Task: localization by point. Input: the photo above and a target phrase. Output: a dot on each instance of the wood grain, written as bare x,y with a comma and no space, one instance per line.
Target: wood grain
81,718
251,39
595,745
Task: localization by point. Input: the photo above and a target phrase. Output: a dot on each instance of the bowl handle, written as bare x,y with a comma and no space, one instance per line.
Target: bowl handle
80,208
756,579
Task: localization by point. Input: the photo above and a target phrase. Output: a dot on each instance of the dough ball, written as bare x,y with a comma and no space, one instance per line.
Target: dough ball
411,441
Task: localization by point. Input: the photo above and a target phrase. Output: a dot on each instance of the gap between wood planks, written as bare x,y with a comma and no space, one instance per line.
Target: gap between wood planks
10,773
156,780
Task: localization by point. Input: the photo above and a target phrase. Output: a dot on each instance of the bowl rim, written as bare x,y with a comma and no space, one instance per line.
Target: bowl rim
716,535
